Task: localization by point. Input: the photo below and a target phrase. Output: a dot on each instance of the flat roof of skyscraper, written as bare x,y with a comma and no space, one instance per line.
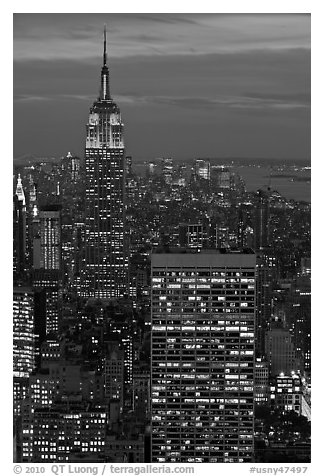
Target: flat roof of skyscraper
222,251
203,258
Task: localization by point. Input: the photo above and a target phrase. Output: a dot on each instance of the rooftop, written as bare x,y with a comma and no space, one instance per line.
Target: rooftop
203,251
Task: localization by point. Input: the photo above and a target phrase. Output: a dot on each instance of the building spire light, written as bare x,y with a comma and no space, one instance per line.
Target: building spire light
105,89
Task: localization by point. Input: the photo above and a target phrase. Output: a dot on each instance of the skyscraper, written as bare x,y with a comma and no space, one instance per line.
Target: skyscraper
280,351
23,342
202,356
47,263
202,169
50,237
19,232
194,235
105,264
261,221
265,272
78,431
71,165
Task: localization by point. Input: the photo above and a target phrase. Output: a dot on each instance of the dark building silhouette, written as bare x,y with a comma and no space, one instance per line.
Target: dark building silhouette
264,283
298,311
280,350
244,230
261,221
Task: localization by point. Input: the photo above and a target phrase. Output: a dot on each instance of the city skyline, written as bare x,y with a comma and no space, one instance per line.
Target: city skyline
179,76
162,315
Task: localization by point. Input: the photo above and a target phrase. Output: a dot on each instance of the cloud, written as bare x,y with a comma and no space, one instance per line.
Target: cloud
169,18
299,97
246,102
31,98
180,76
78,36
52,97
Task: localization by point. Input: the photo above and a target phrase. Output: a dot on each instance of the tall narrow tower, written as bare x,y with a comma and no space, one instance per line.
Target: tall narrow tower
19,232
105,263
261,221
47,264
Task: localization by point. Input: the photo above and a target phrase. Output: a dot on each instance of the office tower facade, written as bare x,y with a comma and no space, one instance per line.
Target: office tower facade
23,331
47,238
202,363
126,450
78,431
261,221
75,168
104,273
261,381
301,317
223,178
286,392
202,169
167,170
280,351
194,235
32,212
61,385
19,231
265,272
49,281
141,389
71,165
114,374
47,264
50,237
244,230
297,308
23,342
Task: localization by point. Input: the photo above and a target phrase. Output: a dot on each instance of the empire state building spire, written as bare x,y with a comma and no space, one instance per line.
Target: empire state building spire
105,49
105,90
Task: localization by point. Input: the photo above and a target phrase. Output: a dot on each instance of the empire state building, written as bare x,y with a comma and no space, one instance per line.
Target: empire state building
104,273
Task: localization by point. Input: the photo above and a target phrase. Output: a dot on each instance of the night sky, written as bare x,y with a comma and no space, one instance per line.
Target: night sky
188,85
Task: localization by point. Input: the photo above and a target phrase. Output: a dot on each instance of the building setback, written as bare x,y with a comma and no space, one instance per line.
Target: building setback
203,306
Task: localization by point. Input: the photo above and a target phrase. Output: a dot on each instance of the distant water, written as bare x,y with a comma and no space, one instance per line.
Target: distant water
259,177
